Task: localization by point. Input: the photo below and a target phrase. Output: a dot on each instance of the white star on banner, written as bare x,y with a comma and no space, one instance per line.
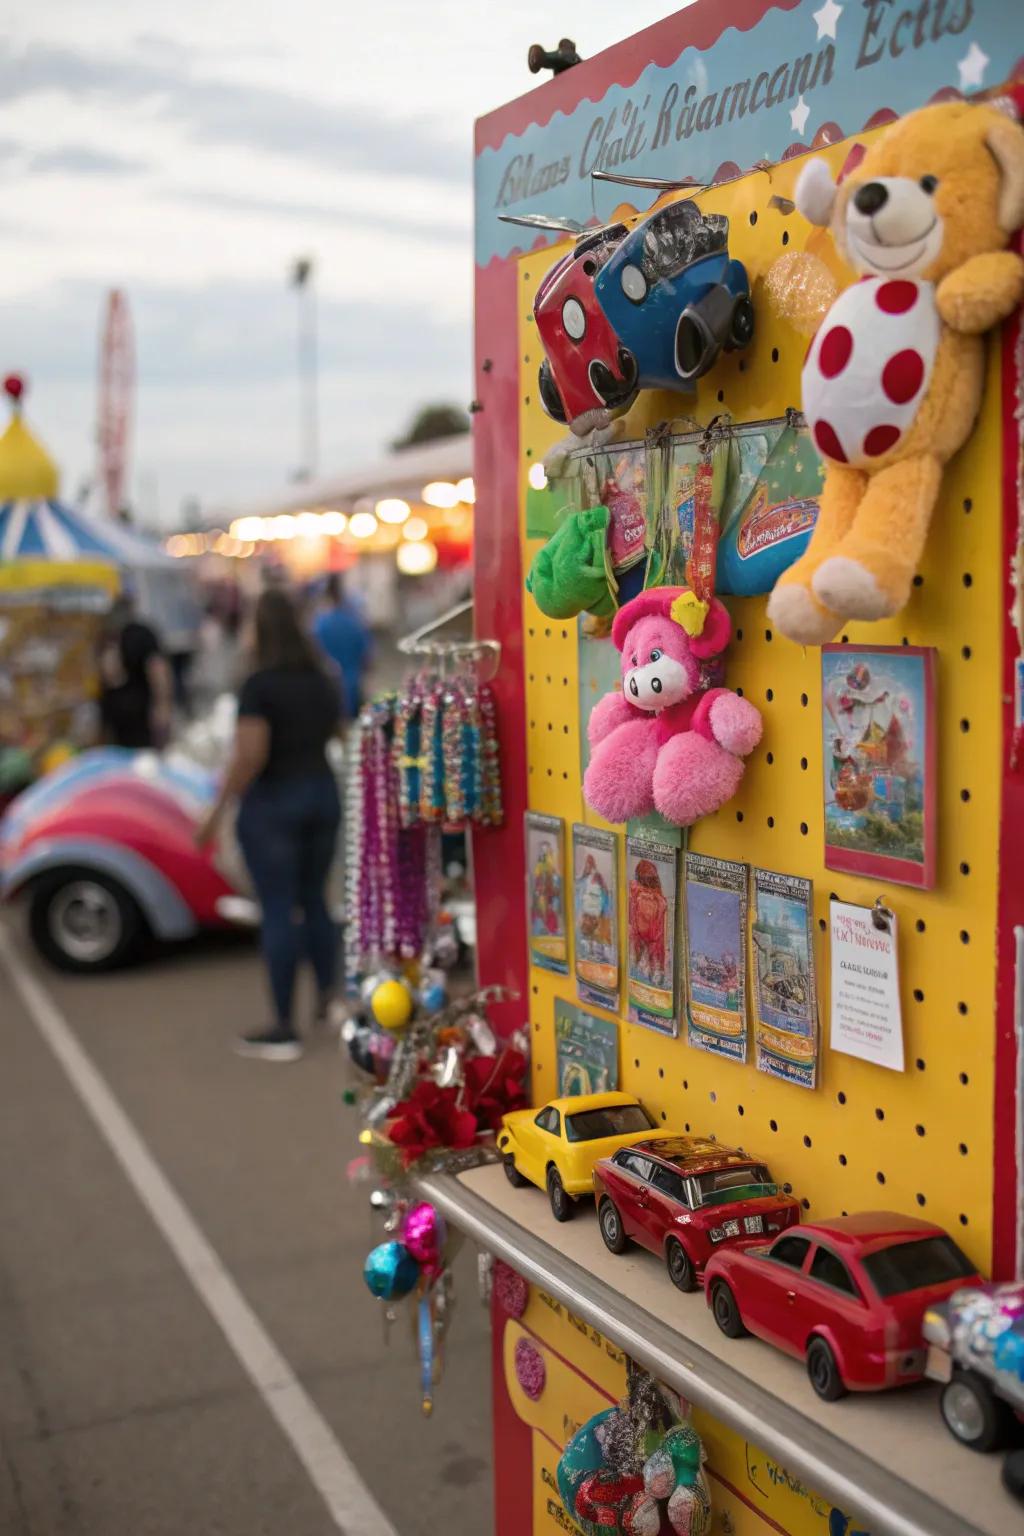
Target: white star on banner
799,115
972,67
827,18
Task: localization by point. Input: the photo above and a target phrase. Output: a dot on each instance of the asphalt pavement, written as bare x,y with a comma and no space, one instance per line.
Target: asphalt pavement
124,1410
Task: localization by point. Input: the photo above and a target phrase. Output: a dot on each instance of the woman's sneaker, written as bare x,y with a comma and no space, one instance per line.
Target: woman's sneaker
270,1045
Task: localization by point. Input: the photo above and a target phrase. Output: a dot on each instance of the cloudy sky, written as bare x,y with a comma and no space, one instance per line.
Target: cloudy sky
188,153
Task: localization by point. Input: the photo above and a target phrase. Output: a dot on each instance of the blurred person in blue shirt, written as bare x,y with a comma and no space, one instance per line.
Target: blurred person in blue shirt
344,637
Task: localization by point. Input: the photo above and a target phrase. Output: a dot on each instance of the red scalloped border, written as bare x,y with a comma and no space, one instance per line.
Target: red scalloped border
699,26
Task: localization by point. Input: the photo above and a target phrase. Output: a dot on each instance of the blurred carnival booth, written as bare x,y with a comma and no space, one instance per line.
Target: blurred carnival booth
60,569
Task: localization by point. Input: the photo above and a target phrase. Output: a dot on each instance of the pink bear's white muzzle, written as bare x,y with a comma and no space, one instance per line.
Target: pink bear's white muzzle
656,684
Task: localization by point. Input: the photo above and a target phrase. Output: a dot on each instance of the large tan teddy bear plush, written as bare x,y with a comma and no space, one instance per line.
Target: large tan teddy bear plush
893,380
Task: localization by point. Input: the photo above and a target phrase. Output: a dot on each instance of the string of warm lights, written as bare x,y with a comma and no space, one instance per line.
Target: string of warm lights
415,554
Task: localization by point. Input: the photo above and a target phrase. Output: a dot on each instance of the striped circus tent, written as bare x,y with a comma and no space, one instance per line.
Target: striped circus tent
43,528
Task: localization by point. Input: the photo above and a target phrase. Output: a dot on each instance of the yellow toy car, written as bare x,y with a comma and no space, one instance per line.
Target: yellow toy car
556,1147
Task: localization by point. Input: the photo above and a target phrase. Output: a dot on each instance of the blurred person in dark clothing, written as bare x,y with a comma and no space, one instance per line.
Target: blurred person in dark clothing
344,637
288,710
136,687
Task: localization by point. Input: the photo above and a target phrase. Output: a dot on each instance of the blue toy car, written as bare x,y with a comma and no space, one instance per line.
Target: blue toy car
674,298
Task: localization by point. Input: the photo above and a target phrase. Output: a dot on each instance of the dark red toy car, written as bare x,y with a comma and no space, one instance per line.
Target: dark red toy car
848,1295
685,1197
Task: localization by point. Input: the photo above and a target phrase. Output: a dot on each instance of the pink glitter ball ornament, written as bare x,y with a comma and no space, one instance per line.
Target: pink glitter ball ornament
530,1370
511,1291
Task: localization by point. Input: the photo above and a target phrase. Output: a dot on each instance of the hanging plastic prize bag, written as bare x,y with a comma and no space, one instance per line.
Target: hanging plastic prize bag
772,509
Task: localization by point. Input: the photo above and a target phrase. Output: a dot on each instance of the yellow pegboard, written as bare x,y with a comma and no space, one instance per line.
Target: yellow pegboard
921,1141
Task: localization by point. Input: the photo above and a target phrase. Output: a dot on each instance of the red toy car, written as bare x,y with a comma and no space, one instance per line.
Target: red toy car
848,1294
685,1197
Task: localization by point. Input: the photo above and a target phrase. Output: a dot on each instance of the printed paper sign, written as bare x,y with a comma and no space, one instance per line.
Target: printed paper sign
715,950
595,875
866,1017
651,880
545,892
785,998
587,1051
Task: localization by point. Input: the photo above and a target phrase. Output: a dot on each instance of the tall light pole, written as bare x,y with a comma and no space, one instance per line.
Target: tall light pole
302,281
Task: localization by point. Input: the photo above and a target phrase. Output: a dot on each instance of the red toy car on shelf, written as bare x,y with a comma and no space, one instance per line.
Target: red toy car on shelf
848,1295
685,1197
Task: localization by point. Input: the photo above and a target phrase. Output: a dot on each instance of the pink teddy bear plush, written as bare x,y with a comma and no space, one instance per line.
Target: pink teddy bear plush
668,741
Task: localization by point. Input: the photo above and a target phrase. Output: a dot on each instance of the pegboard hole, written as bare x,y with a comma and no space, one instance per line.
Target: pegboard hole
547,634
920,1130
822,924
965,795
769,758
920,1063
550,726
964,1079
963,1149
803,764
968,504
919,581
773,1125
807,1141
804,700
920,1199
530,633
842,1159
785,237
686,1127
664,1116
771,821
685,1084
738,635
565,634
768,635
965,726
739,815
967,579
965,937
961,1008
721,397
805,1203
918,995
965,868
787,1189
775,354
535,991
636,1061
713,1096
966,652
661,1071
769,694
804,829
920,925
753,217
739,1109
879,1114
880,1176
551,773
840,1097
962,1219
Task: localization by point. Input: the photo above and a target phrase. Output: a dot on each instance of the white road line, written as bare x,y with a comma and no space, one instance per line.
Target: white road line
351,1504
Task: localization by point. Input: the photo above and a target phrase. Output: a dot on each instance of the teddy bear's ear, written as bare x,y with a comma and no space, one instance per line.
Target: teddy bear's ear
1005,140
816,192
716,633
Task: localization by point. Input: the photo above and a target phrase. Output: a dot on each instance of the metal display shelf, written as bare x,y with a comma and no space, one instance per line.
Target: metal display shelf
886,1457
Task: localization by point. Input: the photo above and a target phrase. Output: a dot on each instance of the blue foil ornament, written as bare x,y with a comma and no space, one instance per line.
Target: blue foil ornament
390,1271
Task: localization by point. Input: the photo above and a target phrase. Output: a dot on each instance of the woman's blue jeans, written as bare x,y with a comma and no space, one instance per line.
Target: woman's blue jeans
287,830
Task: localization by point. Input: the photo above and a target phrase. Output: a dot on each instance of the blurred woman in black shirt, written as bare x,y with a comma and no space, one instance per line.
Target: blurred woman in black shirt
288,710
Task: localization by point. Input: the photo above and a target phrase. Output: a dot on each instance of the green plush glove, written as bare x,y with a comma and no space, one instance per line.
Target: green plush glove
570,574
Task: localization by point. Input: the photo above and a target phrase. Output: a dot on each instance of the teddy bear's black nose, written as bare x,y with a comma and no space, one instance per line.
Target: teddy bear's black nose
870,197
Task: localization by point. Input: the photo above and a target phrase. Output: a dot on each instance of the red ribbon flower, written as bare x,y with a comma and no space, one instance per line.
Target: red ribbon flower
495,1085
429,1118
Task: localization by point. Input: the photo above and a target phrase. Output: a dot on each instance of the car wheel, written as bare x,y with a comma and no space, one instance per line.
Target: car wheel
612,1230
823,1371
741,329
562,1207
550,398
974,1414
85,921
725,1311
680,1266
1013,1474
512,1173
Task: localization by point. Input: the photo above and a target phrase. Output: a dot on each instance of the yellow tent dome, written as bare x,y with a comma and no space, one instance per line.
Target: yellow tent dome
26,470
